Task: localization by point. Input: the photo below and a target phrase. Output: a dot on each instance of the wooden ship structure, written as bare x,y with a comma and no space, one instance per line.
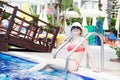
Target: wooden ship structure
26,34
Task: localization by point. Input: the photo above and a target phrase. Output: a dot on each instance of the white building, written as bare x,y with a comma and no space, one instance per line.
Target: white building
90,4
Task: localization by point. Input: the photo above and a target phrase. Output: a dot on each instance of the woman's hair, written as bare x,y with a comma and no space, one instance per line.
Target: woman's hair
73,27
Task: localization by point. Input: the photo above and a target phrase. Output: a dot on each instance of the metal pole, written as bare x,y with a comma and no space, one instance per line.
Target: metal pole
87,61
102,58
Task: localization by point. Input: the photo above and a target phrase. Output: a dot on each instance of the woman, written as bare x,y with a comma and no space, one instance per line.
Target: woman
77,35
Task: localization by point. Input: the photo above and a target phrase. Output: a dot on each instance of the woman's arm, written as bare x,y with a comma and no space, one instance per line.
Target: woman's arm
66,42
89,52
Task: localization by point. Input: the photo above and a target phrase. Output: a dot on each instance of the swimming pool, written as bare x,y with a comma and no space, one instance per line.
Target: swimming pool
15,68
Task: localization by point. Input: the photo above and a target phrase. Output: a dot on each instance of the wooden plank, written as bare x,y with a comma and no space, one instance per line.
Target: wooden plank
21,42
3,43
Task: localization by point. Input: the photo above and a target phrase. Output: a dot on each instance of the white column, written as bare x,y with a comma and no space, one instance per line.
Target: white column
84,23
105,24
94,21
38,9
117,24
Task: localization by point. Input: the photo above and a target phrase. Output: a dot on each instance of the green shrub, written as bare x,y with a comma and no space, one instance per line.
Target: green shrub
6,16
35,20
117,49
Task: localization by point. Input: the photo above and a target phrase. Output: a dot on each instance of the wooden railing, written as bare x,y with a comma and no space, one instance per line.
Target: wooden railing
28,30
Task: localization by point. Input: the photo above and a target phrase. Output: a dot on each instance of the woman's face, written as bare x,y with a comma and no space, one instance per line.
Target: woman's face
76,31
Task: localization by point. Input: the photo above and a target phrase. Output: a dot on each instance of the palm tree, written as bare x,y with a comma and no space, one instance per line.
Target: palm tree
112,6
67,5
109,9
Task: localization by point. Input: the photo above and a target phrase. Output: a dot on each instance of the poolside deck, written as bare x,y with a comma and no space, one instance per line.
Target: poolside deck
111,71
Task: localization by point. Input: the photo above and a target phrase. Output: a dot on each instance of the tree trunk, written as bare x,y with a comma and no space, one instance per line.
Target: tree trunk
63,22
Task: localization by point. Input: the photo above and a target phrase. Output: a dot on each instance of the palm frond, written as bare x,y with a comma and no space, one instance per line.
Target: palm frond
66,4
76,9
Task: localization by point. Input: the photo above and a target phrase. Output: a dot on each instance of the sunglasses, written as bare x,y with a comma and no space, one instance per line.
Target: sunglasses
75,27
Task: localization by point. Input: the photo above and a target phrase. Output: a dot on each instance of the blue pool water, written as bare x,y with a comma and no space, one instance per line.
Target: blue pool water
15,68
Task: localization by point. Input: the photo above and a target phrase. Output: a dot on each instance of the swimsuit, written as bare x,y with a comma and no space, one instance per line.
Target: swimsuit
79,49
76,64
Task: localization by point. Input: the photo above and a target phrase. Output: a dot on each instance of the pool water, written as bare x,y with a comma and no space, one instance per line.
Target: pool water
15,68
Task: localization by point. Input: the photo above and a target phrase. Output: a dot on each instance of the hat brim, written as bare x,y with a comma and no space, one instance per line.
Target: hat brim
69,34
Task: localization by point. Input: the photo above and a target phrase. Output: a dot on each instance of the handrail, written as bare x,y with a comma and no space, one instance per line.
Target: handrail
55,54
102,51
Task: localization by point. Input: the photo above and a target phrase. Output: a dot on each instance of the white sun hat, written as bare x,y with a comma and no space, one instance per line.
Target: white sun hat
84,30
68,29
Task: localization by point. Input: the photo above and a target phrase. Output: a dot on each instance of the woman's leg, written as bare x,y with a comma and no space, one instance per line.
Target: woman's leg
39,66
61,63
53,63
56,64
